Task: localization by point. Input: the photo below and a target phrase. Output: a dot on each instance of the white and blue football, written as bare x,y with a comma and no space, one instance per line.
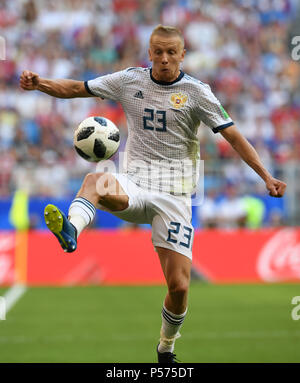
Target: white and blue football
96,139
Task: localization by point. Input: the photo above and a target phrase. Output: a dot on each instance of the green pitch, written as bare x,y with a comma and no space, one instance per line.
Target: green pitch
225,323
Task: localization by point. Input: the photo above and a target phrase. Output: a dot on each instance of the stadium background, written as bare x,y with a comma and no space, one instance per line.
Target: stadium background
242,48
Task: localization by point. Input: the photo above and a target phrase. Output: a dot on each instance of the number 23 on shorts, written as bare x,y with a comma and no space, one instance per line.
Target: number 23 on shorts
187,233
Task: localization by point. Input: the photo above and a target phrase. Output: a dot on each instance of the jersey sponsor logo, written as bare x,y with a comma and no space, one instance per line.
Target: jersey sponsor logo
178,100
139,94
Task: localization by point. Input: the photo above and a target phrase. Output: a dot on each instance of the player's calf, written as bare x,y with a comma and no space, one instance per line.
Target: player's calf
176,268
173,313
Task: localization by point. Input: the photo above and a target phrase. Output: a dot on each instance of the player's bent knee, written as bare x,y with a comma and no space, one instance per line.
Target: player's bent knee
106,185
178,288
88,187
89,181
99,183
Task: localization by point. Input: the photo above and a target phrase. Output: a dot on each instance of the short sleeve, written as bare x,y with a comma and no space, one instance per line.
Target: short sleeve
108,86
211,111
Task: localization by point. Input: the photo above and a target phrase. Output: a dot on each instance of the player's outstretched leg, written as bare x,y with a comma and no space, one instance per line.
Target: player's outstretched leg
176,268
97,188
61,227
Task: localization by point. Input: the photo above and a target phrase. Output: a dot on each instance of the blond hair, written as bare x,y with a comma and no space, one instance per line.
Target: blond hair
167,30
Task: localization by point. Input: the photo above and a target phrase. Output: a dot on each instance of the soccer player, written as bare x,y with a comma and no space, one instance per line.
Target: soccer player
164,108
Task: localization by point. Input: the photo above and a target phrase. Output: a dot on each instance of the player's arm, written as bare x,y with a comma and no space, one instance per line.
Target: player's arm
247,152
57,88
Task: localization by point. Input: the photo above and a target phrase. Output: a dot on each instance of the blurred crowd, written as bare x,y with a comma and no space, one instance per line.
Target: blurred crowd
240,47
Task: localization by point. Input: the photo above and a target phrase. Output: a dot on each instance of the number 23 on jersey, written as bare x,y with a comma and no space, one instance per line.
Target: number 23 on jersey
155,120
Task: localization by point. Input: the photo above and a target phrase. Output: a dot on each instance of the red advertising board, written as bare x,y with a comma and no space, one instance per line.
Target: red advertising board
269,255
128,257
7,257
106,257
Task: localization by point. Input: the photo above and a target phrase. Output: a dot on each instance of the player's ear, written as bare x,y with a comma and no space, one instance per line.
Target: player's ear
183,54
149,54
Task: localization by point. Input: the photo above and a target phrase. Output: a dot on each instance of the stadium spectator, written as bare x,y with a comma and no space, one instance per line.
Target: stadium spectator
232,213
207,212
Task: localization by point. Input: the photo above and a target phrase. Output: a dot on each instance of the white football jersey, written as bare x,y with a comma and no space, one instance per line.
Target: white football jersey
162,149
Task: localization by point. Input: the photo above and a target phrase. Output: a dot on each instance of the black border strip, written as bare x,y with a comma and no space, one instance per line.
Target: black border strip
218,128
165,82
88,89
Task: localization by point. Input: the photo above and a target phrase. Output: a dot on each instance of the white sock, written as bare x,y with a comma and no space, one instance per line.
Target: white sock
171,324
81,213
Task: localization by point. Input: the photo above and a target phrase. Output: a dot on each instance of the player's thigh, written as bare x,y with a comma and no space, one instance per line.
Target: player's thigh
135,211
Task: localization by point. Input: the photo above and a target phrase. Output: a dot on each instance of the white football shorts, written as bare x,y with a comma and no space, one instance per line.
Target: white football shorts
170,216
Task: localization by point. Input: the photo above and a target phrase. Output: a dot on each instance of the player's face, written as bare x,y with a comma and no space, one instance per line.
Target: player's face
166,54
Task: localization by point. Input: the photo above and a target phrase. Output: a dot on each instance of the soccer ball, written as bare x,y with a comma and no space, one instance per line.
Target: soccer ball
96,139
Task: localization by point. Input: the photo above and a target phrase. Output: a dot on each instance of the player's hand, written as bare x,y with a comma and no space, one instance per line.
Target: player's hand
29,80
276,187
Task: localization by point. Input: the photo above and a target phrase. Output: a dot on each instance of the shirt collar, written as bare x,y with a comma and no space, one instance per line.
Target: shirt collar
181,74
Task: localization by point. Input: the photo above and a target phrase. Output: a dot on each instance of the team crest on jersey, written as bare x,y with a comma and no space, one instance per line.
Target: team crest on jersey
178,100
